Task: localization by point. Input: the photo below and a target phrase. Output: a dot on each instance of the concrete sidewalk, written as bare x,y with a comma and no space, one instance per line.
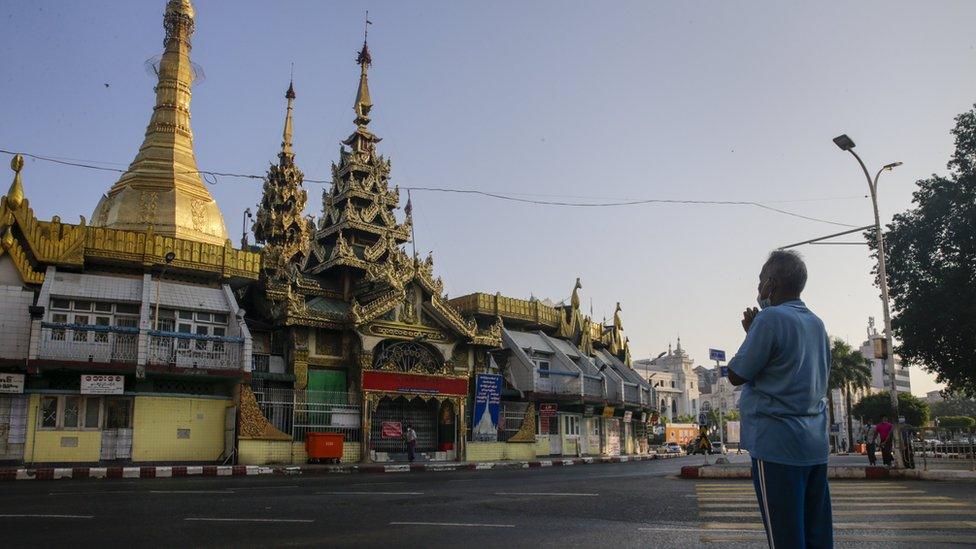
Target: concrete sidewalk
153,471
834,472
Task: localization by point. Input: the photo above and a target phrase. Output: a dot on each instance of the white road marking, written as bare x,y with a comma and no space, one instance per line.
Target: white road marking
889,525
836,505
50,516
464,524
749,497
544,494
847,512
207,519
369,493
854,538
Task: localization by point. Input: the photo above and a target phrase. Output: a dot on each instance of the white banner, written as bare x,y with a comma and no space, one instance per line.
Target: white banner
12,383
99,384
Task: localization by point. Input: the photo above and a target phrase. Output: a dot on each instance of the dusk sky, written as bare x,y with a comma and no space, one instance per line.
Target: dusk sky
562,101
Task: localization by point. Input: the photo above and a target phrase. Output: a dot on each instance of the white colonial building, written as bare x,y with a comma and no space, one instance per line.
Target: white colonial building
879,370
674,380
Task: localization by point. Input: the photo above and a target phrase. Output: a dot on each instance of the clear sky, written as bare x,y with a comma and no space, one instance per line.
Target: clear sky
558,100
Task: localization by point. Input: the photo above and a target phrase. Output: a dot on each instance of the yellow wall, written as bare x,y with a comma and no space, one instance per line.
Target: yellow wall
284,452
45,446
263,452
497,451
157,419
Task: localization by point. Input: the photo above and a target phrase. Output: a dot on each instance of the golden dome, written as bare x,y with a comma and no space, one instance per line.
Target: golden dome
162,188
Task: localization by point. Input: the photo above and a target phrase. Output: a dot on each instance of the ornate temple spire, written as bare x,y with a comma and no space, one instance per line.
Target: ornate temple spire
287,155
162,188
362,141
280,224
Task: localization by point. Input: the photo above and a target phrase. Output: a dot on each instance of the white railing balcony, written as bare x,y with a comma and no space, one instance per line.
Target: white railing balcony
557,382
592,386
631,393
85,343
195,351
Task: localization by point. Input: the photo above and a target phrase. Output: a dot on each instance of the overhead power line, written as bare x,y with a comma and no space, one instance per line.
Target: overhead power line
212,178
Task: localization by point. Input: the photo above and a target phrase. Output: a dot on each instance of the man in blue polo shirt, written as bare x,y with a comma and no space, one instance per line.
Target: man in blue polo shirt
783,365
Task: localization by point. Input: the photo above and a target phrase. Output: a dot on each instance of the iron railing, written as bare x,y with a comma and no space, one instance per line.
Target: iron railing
942,448
195,351
88,343
509,423
299,412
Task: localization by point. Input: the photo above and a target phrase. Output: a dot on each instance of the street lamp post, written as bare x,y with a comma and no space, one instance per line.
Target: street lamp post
847,144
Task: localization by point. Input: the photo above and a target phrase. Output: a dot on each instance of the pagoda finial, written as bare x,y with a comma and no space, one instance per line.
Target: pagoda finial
287,155
15,195
364,60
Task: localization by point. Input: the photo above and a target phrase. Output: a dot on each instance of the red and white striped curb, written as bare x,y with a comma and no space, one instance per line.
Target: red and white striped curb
59,473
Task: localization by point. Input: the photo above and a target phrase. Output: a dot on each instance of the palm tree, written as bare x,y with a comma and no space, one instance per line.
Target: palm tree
850,372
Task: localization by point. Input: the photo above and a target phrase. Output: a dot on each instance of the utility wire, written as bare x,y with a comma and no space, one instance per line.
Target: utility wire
212,178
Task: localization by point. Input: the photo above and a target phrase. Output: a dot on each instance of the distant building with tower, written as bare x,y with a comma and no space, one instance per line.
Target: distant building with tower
673,377
879,371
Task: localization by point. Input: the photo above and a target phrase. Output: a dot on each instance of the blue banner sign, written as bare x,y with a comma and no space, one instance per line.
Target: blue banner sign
716,354
487,404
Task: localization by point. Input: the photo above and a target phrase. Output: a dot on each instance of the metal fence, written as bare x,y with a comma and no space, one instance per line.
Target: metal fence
942,448
299,412
509,423
88,343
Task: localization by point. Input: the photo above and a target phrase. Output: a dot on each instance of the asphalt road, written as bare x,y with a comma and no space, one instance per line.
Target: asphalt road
638,504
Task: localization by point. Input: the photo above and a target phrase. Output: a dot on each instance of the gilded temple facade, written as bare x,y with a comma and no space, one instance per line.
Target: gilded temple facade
144,336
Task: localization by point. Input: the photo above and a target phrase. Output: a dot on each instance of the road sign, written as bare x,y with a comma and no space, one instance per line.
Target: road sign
724,371
702,418
716,354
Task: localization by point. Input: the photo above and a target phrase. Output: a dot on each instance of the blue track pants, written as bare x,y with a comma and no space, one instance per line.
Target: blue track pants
795,504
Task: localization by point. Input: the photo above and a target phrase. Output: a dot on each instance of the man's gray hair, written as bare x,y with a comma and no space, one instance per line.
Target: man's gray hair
788,268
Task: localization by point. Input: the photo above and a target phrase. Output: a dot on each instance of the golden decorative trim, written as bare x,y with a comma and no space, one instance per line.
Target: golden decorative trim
406,332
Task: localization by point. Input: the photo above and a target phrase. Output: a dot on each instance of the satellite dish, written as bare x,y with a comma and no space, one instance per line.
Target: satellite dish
152,69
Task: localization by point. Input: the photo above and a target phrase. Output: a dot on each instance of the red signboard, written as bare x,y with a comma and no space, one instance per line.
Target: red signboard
410,383
547,409
392,429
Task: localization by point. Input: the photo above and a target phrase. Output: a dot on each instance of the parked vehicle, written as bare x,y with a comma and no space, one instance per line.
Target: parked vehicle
672,448
719,448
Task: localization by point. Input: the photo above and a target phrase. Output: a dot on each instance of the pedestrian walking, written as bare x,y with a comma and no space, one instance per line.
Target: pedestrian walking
872,443
411,443
908,446
884,438
783,366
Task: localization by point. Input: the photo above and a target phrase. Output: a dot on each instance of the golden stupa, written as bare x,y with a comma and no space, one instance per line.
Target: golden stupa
162,187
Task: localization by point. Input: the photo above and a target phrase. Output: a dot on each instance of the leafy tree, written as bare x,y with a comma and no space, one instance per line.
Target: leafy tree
849,372
957,422
954,406
686,418
931,264
915,410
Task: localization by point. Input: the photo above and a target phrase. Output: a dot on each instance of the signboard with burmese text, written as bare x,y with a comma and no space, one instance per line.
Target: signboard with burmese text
12,383
102,384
